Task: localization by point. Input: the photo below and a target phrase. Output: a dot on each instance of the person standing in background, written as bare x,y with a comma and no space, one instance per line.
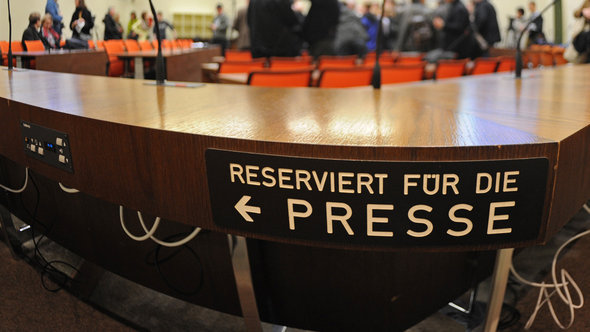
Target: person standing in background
319,27
455,27
81,22
219,27
132,21
275,29
164,25
111,29
241,26
536,35
141,28
370,21
486,22
53,8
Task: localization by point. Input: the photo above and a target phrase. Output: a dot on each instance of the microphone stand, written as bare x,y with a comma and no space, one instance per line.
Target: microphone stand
376,79
519,64
160,71
9,38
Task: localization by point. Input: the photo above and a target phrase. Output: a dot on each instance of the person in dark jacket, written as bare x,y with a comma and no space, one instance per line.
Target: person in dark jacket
32,31
81,22
319,27
455,27
351,36
111,29
486,22
274,29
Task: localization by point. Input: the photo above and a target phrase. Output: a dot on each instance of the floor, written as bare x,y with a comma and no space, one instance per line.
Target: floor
116,304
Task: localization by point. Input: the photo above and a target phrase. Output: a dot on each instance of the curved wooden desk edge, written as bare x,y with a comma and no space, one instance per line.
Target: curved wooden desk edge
144,166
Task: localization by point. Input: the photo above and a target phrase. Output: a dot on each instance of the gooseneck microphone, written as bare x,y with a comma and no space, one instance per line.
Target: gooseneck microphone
160,71
9,37
376,78
519,64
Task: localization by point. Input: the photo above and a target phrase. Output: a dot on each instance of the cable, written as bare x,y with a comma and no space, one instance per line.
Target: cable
150,233
586,207
18,191
68,190
138,238
561,288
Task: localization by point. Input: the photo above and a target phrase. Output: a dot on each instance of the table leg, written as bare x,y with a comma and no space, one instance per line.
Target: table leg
139,68
241,265
499,281
19,61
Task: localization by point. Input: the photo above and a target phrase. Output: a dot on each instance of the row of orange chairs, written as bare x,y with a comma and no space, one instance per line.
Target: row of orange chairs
544,56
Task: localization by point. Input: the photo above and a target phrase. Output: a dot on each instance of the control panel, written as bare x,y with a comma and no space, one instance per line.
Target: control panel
48,145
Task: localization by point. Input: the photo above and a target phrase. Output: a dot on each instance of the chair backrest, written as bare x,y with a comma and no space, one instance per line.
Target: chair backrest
281,78
532,58
400,73
34,45
114,46
289,63
384,60
99,44
546,56
235,55
450,68
410,57
484,66
131,45
331,61
558,55
505,64
91,44
17,46
145,45
345,77
228,67
165,44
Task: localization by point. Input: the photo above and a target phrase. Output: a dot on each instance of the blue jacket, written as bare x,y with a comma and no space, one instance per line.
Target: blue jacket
53,8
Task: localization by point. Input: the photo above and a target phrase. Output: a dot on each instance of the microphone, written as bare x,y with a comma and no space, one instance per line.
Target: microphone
519,64
9,38
376,78
159,59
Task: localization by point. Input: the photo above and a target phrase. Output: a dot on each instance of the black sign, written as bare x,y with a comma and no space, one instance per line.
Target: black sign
378,203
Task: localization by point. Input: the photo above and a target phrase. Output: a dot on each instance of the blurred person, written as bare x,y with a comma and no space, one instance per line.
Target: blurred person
391,25
416,30
351,36
141,28
49,33
52,7
164,25
581,41
240,24
319,27
132,21
112,30
515,28
579,12
370,20
275,30
219,27
81,22
32,31
455,28
486,22
536,35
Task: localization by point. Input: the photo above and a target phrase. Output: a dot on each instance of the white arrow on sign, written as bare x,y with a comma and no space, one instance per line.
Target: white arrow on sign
244,209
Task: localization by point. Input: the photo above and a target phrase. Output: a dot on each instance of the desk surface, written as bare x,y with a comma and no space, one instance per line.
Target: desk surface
159,131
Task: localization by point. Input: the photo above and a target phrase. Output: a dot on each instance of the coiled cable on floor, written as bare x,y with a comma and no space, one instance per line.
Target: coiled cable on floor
150,233
586,207
18,191
562,288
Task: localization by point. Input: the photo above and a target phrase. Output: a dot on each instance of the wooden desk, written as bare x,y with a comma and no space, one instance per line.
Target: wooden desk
181,65
147,148
88,62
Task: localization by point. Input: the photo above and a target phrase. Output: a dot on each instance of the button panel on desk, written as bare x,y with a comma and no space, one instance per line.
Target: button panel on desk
48,145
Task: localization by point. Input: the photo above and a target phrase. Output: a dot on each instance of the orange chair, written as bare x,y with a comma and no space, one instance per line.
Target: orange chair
546,56
4,50
289,63
165,44
229,67
91,44
385,59
558,55
410,57
34,46
506,64
401,73
450,68
532,58
131,45
235,55
145,45
331,61
345,77
100,44
115,66
281,78
484,66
